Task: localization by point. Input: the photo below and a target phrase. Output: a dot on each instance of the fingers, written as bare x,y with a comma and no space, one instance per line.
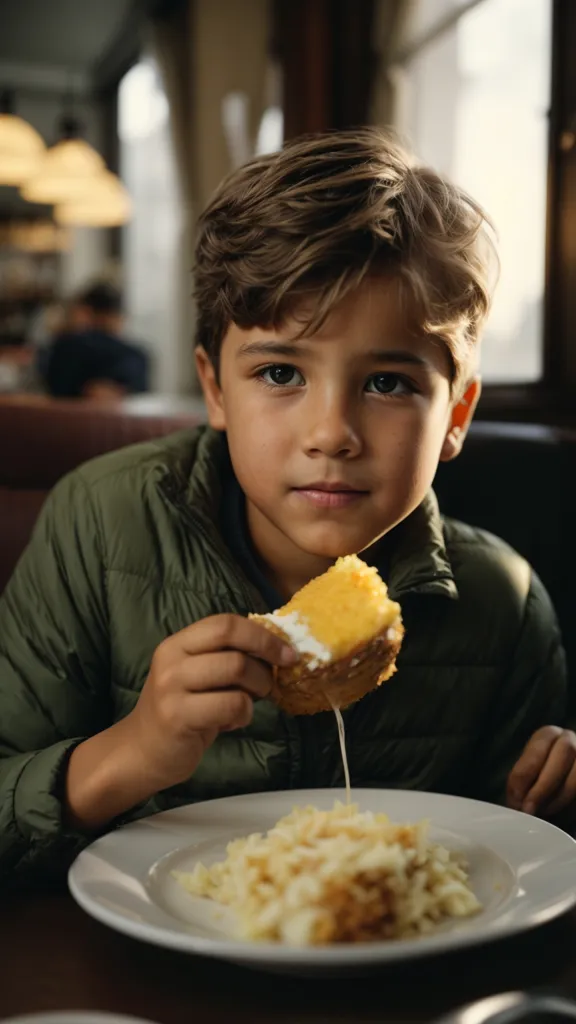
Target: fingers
565,798
187,715
221,671
218,711
552,777
232,632
527,770
544,779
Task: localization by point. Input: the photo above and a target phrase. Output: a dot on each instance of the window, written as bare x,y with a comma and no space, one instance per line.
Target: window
151,255
474,103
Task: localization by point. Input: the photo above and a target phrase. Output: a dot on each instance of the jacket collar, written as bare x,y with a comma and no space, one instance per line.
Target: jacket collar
419,562
419,559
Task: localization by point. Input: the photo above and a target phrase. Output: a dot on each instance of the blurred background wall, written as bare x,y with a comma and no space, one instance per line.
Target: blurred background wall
175,94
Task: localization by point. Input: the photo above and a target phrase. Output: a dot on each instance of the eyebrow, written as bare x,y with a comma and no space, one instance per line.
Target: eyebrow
267,348
290,350
384,355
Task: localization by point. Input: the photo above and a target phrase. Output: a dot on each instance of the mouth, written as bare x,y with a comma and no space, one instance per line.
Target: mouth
333,494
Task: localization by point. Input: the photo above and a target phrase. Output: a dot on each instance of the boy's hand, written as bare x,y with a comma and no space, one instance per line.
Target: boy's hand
543,781
202,682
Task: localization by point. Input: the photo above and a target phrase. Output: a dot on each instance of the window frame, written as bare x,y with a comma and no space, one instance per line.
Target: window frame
309,63
552,399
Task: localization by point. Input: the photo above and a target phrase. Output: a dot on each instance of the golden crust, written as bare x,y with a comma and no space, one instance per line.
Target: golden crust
299,690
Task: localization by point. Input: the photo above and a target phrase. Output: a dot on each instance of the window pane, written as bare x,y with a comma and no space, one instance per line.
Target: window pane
151,239
475,105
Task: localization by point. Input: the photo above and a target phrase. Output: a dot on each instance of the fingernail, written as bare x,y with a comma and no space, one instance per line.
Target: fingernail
529,807
289,655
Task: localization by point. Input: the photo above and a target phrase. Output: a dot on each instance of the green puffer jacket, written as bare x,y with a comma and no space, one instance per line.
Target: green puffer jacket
127,552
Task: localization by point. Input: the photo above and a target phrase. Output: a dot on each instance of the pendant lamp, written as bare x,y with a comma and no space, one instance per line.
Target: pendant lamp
21,147
107,205
67,170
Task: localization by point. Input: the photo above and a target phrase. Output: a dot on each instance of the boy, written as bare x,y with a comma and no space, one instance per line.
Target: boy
341,292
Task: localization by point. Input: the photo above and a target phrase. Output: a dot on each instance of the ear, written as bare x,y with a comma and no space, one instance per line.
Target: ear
211,388
462,413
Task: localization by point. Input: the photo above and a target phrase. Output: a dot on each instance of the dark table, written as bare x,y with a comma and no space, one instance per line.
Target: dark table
52,956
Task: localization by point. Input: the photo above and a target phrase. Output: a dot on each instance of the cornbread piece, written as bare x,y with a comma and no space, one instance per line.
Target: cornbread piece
348,633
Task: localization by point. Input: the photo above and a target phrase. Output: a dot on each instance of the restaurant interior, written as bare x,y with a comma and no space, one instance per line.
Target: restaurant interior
118,119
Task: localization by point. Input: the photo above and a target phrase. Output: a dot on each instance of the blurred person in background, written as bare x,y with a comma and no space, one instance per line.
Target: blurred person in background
91,359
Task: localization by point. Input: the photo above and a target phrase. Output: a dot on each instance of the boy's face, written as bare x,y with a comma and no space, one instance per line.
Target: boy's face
336,438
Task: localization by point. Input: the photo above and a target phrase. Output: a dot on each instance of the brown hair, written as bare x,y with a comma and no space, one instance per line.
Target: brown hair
299,229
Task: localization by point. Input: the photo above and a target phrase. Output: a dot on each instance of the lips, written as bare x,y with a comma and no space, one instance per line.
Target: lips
335,486
330,494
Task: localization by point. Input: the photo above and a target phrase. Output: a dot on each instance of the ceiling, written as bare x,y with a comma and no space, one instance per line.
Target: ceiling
70,35
50,46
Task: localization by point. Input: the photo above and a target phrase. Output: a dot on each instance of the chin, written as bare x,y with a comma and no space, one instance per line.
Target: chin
331,542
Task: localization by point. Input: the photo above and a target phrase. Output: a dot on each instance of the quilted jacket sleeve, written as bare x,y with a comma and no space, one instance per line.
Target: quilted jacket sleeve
533,693
54,676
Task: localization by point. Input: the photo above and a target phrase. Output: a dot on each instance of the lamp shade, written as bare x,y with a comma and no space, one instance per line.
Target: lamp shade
66,172
107,205
21,150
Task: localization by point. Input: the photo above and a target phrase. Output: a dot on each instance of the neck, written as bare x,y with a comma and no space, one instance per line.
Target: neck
285,565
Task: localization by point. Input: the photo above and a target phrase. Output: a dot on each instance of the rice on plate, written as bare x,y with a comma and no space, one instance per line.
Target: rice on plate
321,877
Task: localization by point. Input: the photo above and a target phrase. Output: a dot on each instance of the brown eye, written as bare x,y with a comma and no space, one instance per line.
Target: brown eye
388,384
282,375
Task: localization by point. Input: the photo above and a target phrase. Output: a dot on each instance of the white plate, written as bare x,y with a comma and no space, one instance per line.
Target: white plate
74,1017
522,870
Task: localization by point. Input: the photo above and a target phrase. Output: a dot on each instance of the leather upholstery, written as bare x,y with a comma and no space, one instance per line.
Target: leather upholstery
518,481
41,441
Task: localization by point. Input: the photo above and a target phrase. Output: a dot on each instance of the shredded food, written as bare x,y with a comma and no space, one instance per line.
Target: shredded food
336,876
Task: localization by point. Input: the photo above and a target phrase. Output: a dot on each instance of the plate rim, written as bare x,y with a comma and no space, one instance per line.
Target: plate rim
352,954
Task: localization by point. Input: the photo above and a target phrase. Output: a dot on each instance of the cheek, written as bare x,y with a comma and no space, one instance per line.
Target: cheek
409,450
258,440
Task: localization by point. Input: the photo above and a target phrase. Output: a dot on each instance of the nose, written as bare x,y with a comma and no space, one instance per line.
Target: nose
329,429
